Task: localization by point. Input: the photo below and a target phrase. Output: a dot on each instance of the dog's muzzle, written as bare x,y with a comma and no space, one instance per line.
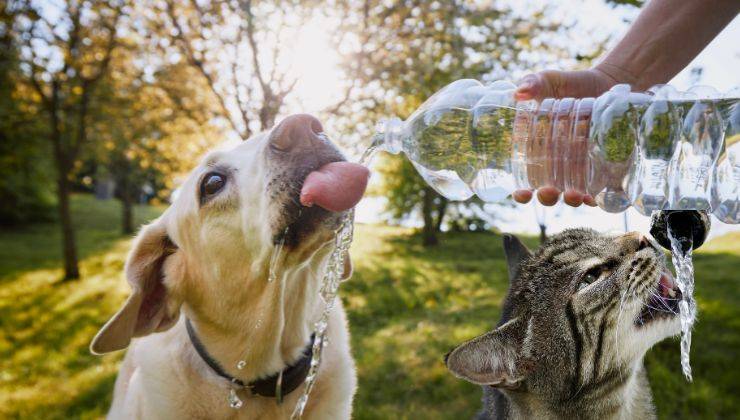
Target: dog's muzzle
311,177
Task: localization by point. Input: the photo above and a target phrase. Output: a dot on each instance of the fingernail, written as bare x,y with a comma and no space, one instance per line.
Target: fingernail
527,85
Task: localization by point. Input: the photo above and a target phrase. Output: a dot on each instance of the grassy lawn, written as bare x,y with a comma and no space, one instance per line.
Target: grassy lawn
407,306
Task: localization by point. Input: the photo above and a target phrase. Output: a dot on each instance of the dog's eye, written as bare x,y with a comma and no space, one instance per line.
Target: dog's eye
211,184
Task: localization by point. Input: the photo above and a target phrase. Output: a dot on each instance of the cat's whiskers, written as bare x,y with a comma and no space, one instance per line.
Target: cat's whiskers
616,330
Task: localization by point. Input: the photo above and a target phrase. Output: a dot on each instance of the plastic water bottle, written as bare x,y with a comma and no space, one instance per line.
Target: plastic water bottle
655,150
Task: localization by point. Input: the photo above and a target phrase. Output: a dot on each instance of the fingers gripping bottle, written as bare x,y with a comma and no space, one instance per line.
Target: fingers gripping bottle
655,150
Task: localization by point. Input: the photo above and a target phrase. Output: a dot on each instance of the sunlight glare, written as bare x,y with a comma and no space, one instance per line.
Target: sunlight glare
315,63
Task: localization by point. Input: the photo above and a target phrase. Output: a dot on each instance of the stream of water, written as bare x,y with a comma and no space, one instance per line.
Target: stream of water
684,266
328,293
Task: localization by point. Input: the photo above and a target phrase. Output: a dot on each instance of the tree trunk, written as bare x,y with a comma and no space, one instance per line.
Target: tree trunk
441,210
63,165
71,269
127,216
429,232
543,233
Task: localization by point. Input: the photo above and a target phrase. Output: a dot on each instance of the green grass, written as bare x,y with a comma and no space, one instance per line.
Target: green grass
407,305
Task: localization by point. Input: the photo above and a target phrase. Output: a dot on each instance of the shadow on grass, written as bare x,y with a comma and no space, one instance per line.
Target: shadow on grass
407,305
97,227
46,369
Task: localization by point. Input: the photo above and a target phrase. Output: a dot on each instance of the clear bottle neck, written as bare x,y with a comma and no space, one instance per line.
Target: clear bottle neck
388,135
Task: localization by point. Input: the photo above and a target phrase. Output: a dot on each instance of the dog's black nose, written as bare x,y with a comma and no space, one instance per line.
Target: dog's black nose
295,130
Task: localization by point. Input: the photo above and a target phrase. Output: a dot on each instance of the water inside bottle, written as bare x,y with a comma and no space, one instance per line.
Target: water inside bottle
613,136
727,181
435,133
698,151
657,140
659,150
492,142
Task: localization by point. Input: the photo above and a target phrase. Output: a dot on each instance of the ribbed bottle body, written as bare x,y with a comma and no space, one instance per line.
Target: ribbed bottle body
656,150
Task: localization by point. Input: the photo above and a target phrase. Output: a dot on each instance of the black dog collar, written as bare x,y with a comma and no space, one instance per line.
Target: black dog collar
277,385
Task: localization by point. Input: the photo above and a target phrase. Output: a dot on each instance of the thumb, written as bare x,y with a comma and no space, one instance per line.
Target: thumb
561,84
545,84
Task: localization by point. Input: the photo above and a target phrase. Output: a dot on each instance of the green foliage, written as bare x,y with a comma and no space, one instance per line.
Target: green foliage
399,183
619,136
144,132
661,130
407,305
25,179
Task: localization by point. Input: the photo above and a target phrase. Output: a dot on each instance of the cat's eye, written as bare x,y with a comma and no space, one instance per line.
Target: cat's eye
591,276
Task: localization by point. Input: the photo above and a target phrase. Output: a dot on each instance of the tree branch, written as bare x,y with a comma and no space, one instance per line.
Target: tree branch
198,64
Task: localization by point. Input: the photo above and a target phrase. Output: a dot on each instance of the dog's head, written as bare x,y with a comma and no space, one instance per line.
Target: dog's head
213,246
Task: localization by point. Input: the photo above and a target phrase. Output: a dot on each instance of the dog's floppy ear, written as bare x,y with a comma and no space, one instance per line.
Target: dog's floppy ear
490,359
151,307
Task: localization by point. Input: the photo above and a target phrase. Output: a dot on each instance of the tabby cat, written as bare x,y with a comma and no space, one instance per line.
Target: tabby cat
580,314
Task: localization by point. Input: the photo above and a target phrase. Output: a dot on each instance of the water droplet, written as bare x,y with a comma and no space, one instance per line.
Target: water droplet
275,257
234,401
241,364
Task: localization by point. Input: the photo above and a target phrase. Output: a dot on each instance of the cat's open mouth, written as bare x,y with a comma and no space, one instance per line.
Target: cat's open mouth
663,301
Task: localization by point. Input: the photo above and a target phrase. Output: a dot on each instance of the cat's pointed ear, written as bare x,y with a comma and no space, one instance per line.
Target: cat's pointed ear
489,359
515,252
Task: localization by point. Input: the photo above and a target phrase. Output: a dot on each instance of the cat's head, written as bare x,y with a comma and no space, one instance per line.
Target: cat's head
581,311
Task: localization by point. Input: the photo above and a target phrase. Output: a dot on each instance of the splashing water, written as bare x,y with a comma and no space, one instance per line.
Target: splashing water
684,267
275,257
328,293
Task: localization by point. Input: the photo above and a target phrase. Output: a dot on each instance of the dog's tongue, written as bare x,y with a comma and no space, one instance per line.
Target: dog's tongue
336,186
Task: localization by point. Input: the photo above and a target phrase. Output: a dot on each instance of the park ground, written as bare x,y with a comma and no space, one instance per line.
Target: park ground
407,306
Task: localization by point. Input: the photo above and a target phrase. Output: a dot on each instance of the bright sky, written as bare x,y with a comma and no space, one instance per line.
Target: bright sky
719,63
316,65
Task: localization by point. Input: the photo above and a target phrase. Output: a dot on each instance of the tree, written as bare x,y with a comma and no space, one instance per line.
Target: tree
64,58
236,47
152,127
24,177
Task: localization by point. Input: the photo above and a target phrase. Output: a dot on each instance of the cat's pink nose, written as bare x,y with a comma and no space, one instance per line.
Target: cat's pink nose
643,242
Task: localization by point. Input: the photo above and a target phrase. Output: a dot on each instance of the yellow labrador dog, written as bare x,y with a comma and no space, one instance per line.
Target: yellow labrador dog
202,301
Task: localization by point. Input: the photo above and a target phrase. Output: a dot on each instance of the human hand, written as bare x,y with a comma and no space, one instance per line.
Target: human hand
560,84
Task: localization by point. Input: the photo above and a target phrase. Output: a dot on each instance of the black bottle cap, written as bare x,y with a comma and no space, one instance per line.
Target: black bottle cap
690,227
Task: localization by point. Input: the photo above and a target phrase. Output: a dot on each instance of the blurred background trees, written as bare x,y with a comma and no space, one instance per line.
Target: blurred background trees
25,192
63,58
238,49
122,97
